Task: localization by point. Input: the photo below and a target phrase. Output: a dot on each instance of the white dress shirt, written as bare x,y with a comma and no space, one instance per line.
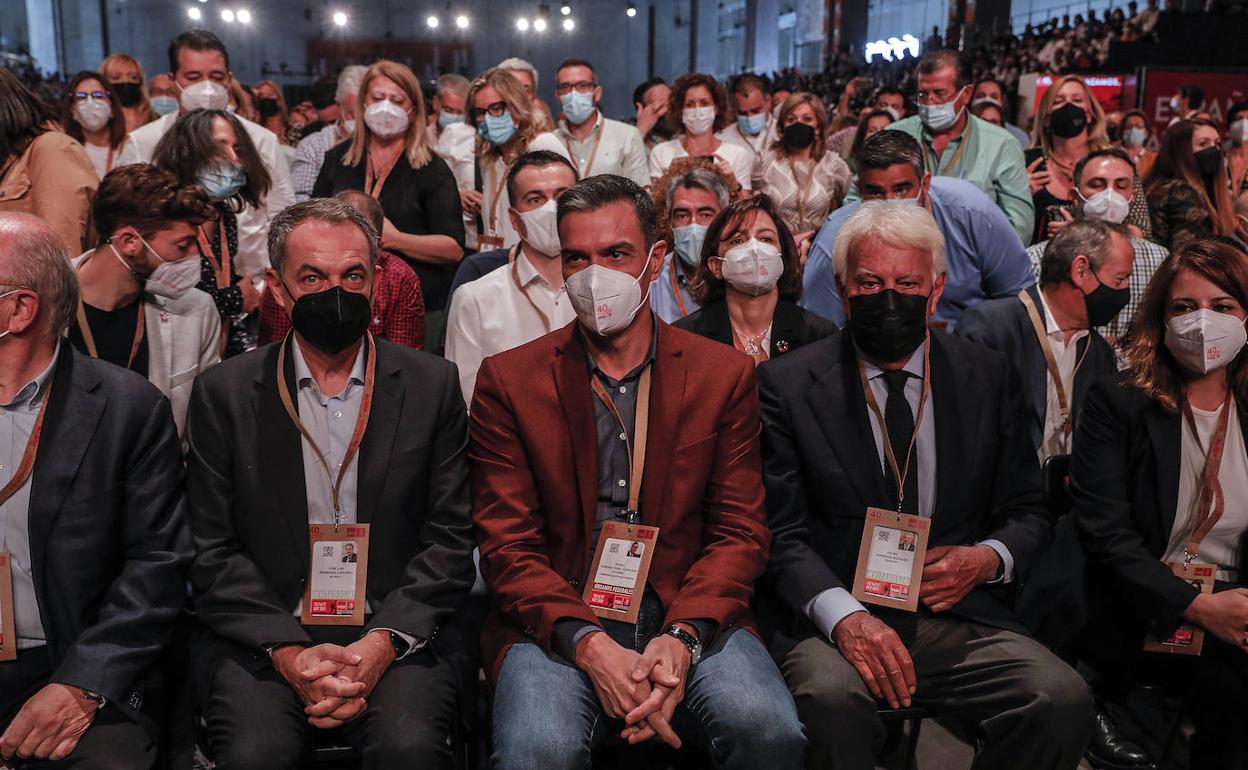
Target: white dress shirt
831,606
740,159
491,315
253,223
457,145
1055,440
756,144
620,151
494,215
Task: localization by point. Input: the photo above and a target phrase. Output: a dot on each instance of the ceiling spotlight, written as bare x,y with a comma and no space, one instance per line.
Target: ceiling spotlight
632,11
340,19
227,16
194,14
244,16
461,21
539,25
569,25
565,9
522,24
431,22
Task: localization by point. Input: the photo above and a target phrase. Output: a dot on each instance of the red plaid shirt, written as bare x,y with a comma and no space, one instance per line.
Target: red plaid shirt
398,308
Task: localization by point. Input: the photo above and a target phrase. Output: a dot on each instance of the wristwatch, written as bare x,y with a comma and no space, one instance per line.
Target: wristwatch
691,642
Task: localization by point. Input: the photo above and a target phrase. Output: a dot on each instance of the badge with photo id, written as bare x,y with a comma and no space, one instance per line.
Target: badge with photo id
617,575
890,559
1188,639
8,630
338,575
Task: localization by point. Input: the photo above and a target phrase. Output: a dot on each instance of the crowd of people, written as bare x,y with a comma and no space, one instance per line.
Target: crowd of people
734,426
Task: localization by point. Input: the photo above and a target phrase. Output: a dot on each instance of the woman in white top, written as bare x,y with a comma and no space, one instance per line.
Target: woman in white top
501,111
697,109
804,180
1159,482
92,114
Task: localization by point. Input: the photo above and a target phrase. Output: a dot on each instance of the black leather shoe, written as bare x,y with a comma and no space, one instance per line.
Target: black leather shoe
1110,751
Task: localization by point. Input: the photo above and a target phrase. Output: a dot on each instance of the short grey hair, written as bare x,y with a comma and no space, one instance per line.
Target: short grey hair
698,178
33,257
349,81
328,210
452,83
1091,238
604,189
897,223
516,63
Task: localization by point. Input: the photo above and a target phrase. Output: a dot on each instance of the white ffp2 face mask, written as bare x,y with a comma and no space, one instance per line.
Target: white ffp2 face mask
386,119
205,95
93,114
1205,340
1108,205
753,267
541,228
606,301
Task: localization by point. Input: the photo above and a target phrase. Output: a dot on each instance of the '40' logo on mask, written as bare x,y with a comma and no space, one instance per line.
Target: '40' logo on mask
604,311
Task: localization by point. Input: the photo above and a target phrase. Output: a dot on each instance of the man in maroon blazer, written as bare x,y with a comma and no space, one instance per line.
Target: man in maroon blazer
554,424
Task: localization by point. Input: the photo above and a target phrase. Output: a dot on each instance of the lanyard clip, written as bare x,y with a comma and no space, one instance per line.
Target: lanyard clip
1188,557
631,517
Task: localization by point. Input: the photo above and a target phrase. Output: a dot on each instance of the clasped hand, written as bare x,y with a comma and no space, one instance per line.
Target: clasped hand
643,690
335,682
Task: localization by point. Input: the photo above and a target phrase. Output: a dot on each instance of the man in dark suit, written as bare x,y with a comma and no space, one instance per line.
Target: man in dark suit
554,425
1084,283
94,531
972,471
255,487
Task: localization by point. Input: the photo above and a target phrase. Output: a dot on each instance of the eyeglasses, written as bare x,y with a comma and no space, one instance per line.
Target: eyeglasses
82,95
581,87
497,109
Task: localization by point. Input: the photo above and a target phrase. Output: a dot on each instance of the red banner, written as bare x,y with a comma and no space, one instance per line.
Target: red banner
1222,89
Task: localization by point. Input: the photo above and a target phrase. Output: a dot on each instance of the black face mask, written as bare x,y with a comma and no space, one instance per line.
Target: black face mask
129,94
1068,121
1104,304
332,320
266,107
888,326
798,136
1209,161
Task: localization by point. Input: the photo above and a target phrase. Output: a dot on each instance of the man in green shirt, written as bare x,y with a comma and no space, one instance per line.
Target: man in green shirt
958,144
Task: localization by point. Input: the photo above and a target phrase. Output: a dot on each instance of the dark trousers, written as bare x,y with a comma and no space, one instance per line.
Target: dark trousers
114,741
255,719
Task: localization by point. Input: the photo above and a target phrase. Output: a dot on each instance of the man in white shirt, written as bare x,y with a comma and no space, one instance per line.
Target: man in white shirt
755,128
597,145
449,105
200,66
525,300
310,154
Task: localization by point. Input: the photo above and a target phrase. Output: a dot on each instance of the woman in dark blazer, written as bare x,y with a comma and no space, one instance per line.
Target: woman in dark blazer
749,282
1137,474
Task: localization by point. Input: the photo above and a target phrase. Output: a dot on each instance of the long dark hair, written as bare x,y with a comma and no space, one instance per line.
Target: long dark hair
23,116
1148,364
1175,160
116,124
709,288
188,146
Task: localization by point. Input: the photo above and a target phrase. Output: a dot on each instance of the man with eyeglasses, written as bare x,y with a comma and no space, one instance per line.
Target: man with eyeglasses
597,145
958,144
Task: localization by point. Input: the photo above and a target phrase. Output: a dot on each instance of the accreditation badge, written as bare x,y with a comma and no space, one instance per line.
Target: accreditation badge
8,630
890,559
617,576
338,576
1188,639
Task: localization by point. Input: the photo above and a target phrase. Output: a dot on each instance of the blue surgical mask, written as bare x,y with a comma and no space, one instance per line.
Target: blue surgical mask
221,180
498,130
1134,136
689,243
752,125
577,107
940,117
163,105
449,119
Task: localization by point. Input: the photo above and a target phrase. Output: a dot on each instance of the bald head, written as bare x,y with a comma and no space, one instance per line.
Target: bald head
33,262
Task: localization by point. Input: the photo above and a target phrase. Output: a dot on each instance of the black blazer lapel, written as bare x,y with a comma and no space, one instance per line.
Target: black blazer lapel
955,401
281,453
378,444
1166,437
69,427
715,322
788,329
1037,367
837,402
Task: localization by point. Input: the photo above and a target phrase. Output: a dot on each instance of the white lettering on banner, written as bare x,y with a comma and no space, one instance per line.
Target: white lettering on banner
893,49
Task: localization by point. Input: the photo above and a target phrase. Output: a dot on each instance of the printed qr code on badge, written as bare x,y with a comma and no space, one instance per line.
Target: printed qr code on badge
613,548
881,535
327,550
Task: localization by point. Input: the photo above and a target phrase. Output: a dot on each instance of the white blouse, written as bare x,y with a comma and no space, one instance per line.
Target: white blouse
804,202
739,158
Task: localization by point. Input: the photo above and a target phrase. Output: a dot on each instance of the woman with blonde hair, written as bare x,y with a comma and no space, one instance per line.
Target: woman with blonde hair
507,127
1069,124
272,111
802,178
124,73
389,158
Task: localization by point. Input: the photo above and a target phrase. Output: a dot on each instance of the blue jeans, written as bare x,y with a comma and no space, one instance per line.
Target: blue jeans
547,717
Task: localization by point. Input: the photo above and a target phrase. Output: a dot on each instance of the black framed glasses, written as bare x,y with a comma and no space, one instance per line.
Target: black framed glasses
581,87
497,109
